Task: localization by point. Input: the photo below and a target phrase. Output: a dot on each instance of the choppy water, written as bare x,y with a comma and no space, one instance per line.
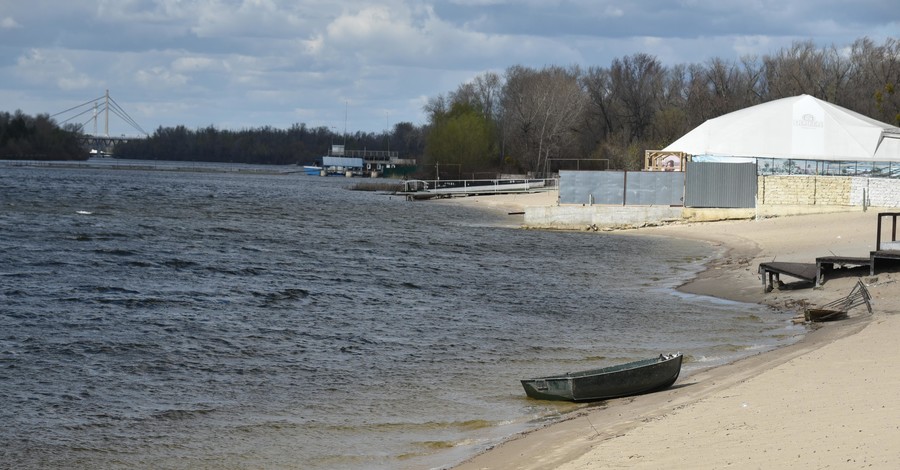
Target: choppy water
190,320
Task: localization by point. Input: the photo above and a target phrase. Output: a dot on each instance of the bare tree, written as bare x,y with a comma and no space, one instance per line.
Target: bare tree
600,112
795,71
637,82
541,109
836,70
875,79
436,107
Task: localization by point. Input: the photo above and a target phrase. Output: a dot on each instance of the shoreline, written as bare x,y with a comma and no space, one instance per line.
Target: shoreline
622,432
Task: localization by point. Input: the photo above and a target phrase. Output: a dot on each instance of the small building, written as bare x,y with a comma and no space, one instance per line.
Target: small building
341,161
332,165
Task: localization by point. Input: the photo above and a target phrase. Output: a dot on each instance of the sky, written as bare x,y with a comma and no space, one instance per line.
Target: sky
358,65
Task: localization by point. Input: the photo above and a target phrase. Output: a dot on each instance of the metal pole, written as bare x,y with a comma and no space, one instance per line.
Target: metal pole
106,129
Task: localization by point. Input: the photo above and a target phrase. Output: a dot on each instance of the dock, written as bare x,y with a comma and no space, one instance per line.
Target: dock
771,273
430,189
826,264
887,252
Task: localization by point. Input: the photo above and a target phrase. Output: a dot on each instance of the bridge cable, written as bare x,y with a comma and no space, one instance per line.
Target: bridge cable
129,119
80,105
106,106
77,115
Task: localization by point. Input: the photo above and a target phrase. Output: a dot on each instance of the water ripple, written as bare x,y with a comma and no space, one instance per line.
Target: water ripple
289,320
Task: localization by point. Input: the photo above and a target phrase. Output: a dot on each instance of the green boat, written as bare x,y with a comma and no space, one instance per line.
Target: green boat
633,378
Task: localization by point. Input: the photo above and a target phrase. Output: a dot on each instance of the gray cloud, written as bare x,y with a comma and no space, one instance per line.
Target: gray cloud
248,63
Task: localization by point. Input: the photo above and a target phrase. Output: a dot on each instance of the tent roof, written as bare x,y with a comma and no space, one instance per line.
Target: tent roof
800,127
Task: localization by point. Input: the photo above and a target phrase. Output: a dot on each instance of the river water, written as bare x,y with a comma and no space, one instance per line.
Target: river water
188,319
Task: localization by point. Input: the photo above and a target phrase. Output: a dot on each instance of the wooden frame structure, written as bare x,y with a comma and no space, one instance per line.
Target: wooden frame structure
657,160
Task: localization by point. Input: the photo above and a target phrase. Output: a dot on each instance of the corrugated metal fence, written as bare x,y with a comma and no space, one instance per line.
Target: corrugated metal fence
726,185
639,188
704,184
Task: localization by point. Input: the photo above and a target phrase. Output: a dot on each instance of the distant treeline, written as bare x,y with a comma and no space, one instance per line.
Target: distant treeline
23,137
265,145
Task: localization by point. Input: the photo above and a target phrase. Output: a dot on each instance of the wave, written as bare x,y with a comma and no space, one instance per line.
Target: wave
114,252
179,263
181,414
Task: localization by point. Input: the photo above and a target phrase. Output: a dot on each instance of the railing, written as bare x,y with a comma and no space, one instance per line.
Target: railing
368,154
486,186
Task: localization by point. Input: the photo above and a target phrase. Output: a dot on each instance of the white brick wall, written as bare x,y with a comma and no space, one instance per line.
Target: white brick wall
881,192
828,190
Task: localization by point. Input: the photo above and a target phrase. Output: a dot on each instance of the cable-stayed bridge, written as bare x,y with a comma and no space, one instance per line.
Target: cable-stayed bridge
90,112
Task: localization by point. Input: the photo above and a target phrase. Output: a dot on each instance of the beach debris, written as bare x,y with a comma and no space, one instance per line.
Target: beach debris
838,309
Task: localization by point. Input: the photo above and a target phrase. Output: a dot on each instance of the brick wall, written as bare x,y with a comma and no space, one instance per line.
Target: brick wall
833,191
880,192
827,190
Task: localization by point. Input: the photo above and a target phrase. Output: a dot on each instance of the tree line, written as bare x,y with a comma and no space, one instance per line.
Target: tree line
37,138
265,145
539,120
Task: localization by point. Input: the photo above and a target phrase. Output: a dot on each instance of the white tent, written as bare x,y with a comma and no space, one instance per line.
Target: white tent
801,127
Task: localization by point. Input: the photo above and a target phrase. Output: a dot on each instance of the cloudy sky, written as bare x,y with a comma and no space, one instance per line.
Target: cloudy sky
359,64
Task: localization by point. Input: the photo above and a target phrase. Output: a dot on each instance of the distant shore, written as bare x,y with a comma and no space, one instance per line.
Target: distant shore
156,165
825,401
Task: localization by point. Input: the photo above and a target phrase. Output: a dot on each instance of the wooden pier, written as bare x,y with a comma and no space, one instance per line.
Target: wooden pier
771,273
430,189
826,264
886,252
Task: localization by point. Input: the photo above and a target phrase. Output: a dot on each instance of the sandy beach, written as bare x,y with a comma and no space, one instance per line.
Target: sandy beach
826,401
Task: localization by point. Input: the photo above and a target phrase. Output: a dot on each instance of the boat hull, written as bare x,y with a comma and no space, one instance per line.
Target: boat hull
312,170
633,378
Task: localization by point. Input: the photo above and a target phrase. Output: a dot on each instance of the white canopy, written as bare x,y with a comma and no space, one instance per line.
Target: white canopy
801,127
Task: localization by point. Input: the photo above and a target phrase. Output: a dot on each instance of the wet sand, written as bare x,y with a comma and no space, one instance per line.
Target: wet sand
829,400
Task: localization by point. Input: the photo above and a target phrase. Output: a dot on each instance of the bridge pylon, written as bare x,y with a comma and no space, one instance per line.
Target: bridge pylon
101,144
